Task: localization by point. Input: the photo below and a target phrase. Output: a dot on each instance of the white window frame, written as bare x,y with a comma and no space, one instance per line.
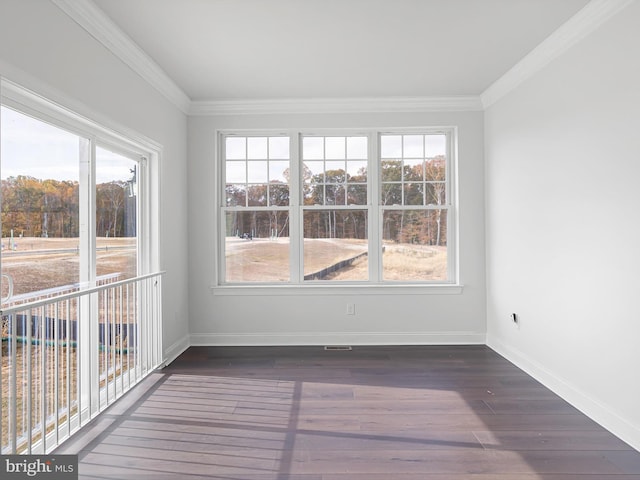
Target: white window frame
374,285
129,144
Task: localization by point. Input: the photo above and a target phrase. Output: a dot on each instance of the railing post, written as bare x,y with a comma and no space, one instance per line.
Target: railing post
157,319
43,378
13,380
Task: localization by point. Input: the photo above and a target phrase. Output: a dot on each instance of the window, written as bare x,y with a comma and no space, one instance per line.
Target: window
116,215
81,291
40,205
413,173
256,207
60,175
347,207
335,214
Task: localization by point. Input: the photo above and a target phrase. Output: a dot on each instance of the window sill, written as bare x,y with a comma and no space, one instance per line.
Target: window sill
333,289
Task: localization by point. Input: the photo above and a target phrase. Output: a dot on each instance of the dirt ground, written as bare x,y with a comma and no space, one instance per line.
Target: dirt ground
41,263
268,260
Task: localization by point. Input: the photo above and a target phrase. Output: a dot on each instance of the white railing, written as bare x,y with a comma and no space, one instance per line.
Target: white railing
12,300
65,359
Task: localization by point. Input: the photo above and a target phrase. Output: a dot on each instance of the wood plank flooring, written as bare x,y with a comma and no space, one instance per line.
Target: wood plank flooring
374,413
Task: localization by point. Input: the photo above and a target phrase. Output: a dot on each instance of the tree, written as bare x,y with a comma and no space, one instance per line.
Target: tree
110,202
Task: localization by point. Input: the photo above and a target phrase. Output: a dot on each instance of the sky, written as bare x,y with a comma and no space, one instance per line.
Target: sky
34,148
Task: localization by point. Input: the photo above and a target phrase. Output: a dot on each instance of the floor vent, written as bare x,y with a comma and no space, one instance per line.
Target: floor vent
341,348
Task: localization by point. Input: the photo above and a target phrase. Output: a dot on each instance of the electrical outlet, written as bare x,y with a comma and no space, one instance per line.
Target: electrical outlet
351,308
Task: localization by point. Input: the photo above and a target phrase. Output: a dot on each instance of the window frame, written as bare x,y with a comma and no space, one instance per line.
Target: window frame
451,204
145,152
374,284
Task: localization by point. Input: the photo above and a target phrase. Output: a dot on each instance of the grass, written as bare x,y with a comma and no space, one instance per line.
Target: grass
414,263
268,261
40,263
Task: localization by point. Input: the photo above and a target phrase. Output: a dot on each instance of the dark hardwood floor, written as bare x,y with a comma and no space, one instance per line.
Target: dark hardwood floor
374,413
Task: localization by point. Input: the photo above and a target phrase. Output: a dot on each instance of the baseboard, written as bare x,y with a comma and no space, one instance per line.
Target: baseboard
595,410
172,352
335,338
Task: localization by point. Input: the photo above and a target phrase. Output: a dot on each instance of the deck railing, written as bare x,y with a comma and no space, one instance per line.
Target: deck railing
67,358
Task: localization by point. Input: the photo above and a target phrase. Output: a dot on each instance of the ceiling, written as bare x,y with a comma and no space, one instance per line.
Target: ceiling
287,49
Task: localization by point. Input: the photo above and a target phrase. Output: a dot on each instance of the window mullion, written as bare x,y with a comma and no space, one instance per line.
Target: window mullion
295,209
142,214
374,210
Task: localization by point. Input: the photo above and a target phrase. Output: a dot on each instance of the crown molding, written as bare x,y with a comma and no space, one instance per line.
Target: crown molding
90,17
335,105
588,19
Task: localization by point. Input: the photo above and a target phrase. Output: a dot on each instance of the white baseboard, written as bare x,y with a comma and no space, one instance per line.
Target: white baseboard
173,351
595,410
335,338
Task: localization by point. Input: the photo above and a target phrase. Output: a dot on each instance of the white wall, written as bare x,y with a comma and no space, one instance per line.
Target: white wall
41,48
563,230
321,319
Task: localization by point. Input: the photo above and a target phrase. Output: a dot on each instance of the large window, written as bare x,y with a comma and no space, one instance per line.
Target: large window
72,210
335,214
256,208
80,286
40,205
414,207
346,207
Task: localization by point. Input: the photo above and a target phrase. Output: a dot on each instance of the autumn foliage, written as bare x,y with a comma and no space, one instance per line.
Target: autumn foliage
51,208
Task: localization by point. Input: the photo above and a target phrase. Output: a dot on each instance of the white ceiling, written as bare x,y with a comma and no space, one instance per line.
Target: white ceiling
277,49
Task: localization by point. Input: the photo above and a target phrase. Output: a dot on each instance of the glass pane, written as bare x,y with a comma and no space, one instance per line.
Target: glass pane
435,169
313,148
116,219
278,194
391,146
314,194
413,170
236,172
415,245
436,193
335,148
356,195
40,206
236,195
257,172
334,195
391,170
357,148
257,246
391,194
357,171
436,145
279,148
257,148
279,172
413,146
335,172
236,148
313,172
414,193
257,195
335,245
